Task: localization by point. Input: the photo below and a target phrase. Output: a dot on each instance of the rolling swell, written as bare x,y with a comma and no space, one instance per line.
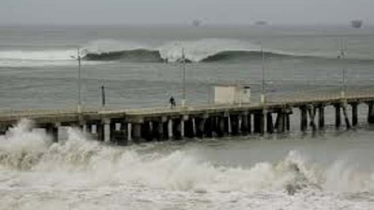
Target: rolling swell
226,56
139,55
155,56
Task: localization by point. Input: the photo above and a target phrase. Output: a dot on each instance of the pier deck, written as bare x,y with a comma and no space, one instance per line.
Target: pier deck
203,120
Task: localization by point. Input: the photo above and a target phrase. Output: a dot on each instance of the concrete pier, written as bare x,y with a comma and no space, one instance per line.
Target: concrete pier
124,127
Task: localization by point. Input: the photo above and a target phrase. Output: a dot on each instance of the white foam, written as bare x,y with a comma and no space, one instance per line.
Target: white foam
39,55
107,45
27,58
80,172
200,49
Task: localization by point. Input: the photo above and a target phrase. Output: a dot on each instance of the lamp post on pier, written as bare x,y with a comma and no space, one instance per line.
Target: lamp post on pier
342,57
79,59
184,78
263,99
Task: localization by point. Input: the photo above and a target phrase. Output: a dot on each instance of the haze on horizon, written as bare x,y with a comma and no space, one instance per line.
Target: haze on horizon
135,12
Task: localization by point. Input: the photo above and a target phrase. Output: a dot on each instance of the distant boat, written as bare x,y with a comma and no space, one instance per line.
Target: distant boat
196,23
356,23
261,23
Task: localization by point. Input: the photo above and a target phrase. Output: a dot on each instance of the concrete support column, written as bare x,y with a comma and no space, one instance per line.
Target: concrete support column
312,113
371,112
3,130
112,131
303,118
147,131
321,116
262,122
240,124
287,121
229,126
52,130
177,128
354,114
160,130
201,128
121,139
234,121
338,120
221,131
100,131
269,122
182,128
170,129
281,122
88,128
249,123
259,119
244,126
194,127
129,133
209,127
137,130
151,131
107,130
346,119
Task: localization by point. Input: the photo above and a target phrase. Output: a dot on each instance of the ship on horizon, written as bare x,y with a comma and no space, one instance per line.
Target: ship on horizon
356,23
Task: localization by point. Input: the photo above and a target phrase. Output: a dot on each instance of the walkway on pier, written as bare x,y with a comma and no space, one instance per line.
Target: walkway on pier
126,125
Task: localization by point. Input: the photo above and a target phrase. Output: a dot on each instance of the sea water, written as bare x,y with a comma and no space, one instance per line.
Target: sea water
330,169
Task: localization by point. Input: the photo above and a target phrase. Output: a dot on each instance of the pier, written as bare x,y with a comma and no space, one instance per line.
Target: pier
127,126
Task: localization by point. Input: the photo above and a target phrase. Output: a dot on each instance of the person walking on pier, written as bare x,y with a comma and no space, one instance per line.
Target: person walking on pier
172,102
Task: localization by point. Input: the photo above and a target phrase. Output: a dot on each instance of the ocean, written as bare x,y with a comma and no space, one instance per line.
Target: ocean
139,68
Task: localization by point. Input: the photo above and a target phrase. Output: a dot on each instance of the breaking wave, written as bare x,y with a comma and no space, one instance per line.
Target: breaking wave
143,55
24,149
205,50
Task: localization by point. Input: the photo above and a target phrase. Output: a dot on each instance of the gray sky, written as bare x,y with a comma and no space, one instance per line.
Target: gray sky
184,11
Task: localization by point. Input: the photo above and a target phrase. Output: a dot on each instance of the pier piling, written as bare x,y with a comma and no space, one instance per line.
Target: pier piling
354,114
312,113
337,115
303,118
269,122
371,112
321,116
52,130
346,119
100,131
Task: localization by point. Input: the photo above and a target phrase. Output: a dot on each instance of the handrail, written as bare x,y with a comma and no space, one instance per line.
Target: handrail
272,99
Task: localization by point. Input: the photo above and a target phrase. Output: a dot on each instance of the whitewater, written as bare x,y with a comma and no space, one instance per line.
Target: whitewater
79,173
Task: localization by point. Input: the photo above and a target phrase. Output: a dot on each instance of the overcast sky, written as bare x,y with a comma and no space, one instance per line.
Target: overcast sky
100,12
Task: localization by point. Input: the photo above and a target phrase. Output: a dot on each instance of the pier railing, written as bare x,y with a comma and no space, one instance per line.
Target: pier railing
276,98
